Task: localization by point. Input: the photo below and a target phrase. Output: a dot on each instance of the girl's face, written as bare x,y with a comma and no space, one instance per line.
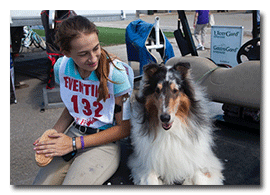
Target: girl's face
85,51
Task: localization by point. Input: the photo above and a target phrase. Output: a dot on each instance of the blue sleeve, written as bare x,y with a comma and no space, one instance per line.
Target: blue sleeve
122,85
56,70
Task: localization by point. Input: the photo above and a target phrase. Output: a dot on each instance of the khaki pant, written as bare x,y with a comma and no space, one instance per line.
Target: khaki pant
200,28
91,166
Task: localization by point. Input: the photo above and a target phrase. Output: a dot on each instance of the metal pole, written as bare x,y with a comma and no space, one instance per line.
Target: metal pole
255,24
186,29
157,31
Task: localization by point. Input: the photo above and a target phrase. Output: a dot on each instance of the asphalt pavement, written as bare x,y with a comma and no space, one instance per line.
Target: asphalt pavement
28,121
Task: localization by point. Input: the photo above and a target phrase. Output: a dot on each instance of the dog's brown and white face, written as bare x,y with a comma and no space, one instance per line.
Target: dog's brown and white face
165,93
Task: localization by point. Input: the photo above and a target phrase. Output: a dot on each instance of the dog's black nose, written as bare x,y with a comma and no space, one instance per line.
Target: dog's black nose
165,118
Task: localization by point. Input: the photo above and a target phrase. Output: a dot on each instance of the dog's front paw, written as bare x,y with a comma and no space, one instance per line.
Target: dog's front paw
207,178
149,179
153,179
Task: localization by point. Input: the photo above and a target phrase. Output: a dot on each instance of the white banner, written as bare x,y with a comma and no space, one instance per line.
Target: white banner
225,43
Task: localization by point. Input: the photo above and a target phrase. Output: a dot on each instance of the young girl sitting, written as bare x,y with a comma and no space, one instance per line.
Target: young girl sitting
93,88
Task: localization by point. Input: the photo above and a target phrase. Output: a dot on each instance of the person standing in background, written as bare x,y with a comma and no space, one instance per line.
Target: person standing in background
201,19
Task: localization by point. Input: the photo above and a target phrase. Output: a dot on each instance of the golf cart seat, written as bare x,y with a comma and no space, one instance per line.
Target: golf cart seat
240,85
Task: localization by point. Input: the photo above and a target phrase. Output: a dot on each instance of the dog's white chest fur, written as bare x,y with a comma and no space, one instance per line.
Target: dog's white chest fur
172,155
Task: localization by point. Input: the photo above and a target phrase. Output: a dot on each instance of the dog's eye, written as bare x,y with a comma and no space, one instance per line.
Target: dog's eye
157,90
175,91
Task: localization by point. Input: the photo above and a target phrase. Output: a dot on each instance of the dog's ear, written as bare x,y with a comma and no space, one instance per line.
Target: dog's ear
182,68
150,69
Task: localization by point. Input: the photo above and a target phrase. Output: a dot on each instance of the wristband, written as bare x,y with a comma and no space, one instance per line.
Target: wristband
82,142
74,143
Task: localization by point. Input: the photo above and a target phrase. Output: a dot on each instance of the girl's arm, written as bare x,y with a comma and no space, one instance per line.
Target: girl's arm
117,132
63,122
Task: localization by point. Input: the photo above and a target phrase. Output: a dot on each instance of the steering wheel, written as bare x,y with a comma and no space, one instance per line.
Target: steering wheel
251,50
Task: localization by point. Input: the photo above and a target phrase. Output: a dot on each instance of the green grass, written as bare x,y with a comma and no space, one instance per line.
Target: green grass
115,36
111,36
169,34
40,32
108,36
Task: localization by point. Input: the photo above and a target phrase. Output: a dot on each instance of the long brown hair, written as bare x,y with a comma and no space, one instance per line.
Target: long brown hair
70,29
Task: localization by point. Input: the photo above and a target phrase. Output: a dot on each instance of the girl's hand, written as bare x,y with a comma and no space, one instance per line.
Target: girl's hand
59,146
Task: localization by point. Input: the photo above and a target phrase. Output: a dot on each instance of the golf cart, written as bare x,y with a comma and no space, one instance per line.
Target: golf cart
239,88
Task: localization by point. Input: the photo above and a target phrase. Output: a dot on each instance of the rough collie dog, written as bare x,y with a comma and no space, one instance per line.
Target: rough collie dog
172,131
